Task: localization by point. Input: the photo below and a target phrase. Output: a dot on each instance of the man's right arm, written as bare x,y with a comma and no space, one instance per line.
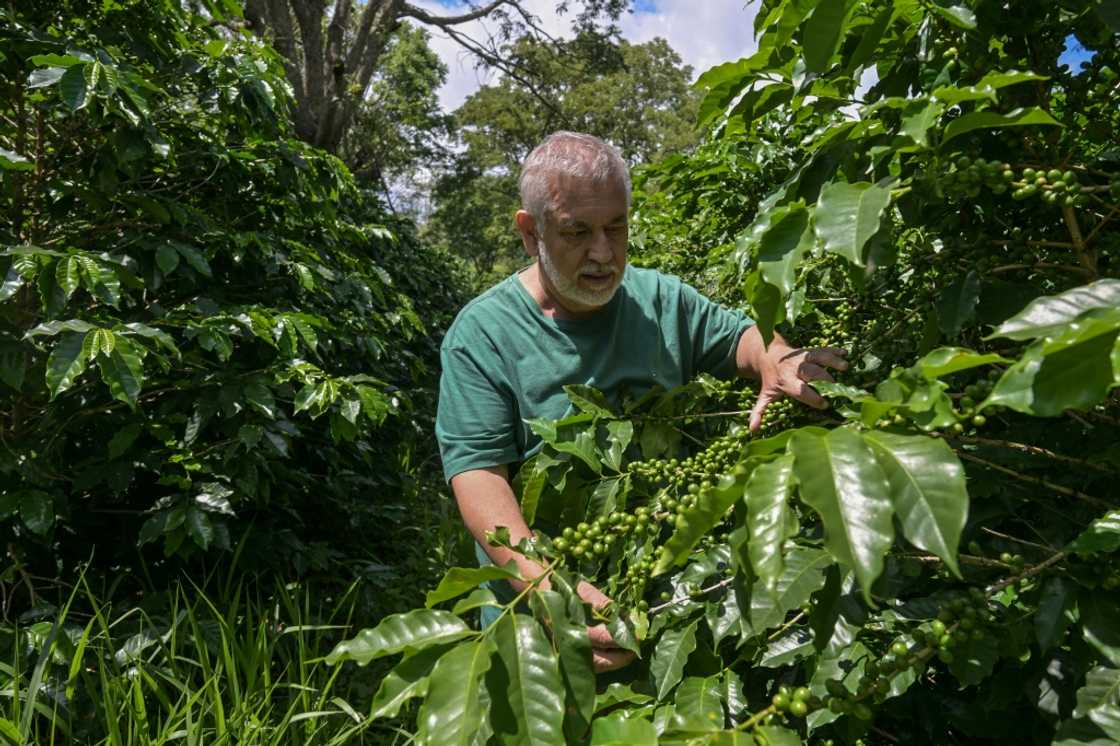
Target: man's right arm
486,501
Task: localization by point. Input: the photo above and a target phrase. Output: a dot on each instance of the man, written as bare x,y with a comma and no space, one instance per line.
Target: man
580,315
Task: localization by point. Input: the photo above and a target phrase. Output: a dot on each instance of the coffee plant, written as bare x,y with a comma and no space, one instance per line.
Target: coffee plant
204,324
933,560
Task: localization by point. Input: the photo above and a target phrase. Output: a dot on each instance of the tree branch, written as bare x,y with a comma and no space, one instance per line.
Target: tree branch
411,11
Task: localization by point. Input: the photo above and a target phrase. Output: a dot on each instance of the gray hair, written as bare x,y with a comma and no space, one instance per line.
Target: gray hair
572,154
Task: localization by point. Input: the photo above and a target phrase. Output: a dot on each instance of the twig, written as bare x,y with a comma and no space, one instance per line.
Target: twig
1030,572
778,632
1060,489
1087,258
1008,537
966,559
1104,221
677,602
1042,265
1034,450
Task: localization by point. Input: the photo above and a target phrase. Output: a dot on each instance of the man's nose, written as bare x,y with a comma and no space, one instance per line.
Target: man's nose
601,250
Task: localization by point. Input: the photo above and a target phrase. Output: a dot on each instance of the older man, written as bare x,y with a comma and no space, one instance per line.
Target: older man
580,315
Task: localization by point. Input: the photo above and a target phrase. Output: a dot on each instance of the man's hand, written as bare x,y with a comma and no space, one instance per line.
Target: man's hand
605,653
785,371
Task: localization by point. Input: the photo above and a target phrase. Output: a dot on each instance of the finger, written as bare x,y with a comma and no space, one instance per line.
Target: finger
830,357
764,400
812,372
600,637
807,395
611,659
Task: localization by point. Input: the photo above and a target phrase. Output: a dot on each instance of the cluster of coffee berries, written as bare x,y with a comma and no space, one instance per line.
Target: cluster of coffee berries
969,175
595,540
797,702
962,617
1053,186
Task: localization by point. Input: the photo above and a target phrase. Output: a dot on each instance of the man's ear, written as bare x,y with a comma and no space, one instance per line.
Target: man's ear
527,227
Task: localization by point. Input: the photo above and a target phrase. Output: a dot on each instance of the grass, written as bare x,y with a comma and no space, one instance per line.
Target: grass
185,667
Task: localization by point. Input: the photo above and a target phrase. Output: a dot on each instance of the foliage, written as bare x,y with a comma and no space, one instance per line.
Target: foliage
399,127
234,666
635,96
204,324
935,560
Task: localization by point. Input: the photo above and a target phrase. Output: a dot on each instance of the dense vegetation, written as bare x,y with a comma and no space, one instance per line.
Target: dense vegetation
934,560
216,352
217,363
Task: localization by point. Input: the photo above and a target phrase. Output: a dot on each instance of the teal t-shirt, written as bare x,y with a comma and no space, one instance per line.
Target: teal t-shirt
505,362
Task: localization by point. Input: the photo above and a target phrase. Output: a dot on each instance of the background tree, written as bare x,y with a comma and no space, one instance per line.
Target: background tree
332,50
400,133
636,96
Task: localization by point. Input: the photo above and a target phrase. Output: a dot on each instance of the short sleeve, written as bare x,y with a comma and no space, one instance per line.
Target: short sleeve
714,333
475,418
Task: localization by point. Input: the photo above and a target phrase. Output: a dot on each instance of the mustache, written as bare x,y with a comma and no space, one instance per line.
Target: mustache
598,269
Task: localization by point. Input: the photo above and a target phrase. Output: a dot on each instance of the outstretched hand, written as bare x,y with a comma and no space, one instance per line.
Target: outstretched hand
605,654
788,371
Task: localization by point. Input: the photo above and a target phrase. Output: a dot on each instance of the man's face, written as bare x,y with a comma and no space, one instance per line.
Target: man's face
582,244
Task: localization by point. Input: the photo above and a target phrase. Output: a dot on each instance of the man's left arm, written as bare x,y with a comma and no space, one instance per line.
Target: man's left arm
784,370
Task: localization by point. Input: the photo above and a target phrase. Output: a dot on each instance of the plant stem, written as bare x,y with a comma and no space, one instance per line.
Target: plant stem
1034,450
677,602
1060,489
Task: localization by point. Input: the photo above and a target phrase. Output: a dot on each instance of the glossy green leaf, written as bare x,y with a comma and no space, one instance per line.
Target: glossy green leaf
565,618
919,117
452,712
534,692
200,528
1071,370
778,735
957,305
847,215
946,360
167,258
588,399
986,88
477,599
72,87
52,328
413,630
1100,623
1099,699
769,517
782,248
958,15
698,704
407,680
36,510
927,489
12,161
459,580
123,371
840,479
1051,314
711,506
978,120
789,648
669,657
619,434
822,32
845,665
622,729
802,576
1052,619
67,361
1102,536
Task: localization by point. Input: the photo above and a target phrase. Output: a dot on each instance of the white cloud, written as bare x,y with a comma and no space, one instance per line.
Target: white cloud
703,32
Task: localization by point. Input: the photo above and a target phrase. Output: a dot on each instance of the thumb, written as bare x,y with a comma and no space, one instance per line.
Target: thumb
764,400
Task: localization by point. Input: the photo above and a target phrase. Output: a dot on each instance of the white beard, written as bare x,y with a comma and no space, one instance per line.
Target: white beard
568,288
